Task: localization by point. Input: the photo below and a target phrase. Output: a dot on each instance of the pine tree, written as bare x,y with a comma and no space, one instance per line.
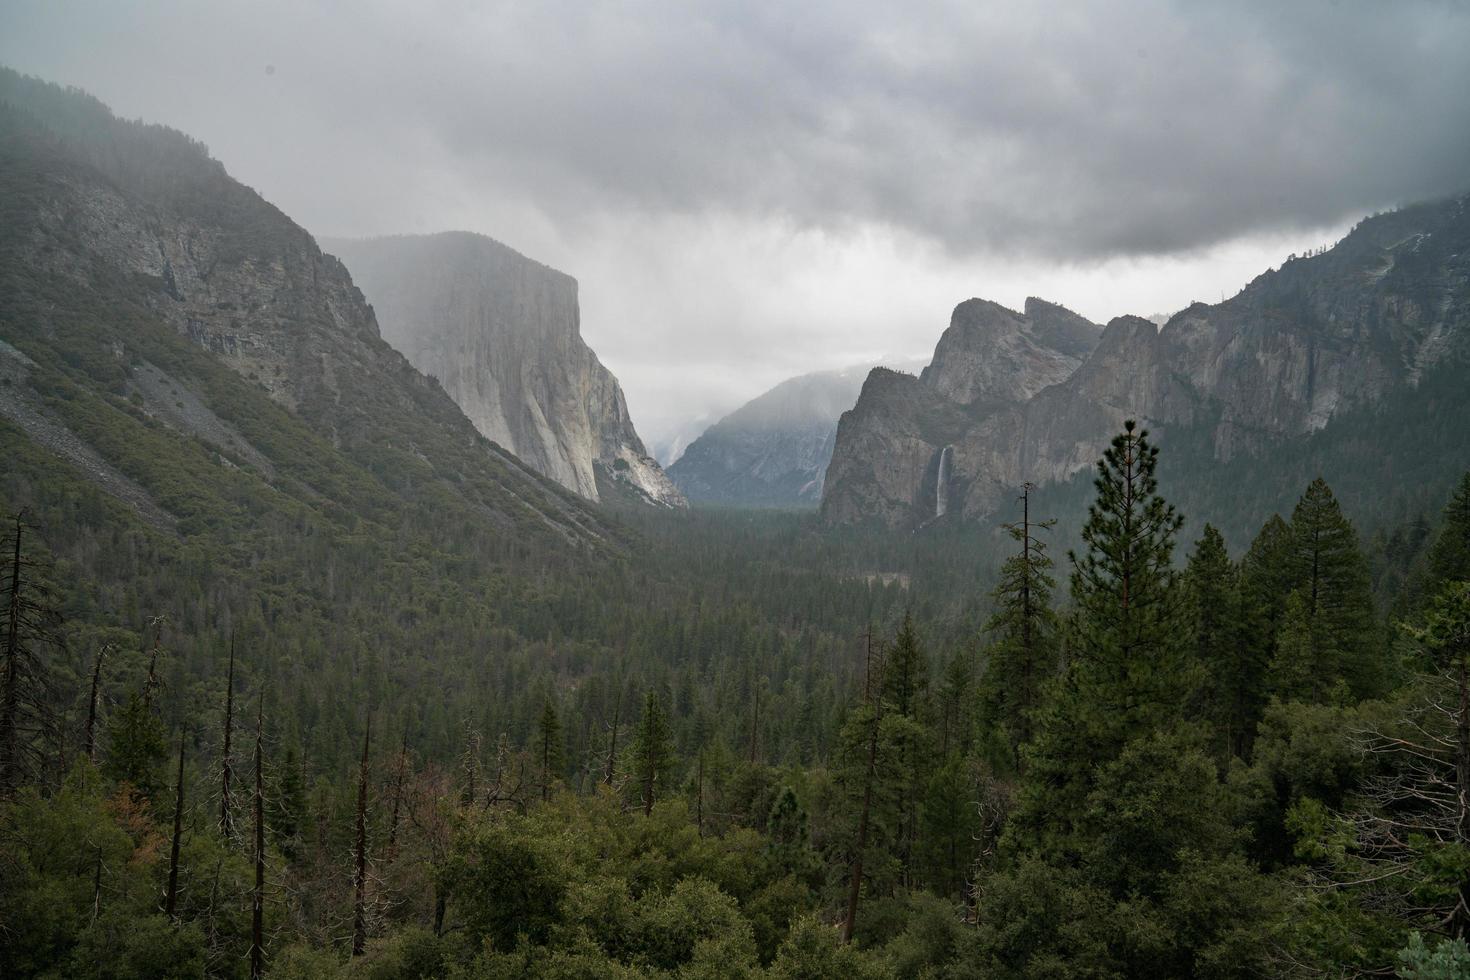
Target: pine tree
1023,654
551,747
135,746
1265,586
1129,655
906,671
1232,684
653,751
1449,558
1329,569
171,894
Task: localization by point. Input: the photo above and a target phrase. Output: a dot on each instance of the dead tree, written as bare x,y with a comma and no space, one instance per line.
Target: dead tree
26,697
257,898
1419,797
392,851
226,816
612,745
89,734
359,875
171,897
150,684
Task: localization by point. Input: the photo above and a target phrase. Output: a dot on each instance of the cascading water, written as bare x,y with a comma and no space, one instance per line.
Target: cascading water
941,483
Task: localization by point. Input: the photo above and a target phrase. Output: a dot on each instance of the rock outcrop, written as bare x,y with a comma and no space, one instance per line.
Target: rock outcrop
1021,397
772,451
502,334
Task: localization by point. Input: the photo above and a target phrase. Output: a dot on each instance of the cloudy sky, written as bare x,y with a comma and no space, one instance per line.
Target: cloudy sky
750,190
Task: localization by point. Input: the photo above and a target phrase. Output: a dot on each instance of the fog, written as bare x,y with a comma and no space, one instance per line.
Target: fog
747,191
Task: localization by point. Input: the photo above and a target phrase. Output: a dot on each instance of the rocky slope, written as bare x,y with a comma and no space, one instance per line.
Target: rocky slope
773,451
501,333
1322,337
149,298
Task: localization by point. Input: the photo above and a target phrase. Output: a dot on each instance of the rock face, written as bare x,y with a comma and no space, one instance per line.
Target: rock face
1029,397
773,451
130,238
502,334
891,447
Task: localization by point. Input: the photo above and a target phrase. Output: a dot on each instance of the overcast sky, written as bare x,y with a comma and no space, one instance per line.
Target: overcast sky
748,190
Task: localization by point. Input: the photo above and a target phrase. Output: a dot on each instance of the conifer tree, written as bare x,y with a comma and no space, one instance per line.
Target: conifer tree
1265,582
906,670
1329,569
1231,681
551,747
653,750
1023,653
1449,558
226,802
1128,649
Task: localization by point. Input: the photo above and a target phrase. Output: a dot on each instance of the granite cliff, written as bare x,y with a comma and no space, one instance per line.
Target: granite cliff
1326,335
502,334
772,451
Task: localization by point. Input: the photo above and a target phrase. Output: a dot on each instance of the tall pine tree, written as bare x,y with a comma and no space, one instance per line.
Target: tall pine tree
1129,658
1022,656
1332,575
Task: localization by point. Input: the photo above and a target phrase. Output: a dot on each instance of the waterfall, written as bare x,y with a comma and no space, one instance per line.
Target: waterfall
941,482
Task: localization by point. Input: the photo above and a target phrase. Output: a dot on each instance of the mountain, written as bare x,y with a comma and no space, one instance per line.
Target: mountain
1373,326
772,451
502,334
179,357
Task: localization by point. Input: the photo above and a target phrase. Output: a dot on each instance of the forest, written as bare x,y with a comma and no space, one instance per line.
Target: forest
737,745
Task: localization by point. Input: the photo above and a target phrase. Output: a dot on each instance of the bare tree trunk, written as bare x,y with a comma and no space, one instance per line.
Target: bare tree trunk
612,745
257,901
226,816
89,735
1460,917
10,697
699,799
755,714
359,879
397,797
171,898
150,684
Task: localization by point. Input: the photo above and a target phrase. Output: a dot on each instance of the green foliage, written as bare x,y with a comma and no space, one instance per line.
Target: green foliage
1129,662
1447,959
1331,575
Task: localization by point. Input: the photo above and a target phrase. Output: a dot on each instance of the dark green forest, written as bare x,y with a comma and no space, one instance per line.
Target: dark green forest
727,751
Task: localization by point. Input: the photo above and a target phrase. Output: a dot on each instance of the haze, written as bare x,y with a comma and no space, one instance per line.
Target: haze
751,191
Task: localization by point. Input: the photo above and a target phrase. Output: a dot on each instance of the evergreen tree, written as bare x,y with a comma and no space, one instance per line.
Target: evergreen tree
1129,658
550,747
653,749
1329,569
1232,682
906,671
1265,582
135,746
1449,558
1023,655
